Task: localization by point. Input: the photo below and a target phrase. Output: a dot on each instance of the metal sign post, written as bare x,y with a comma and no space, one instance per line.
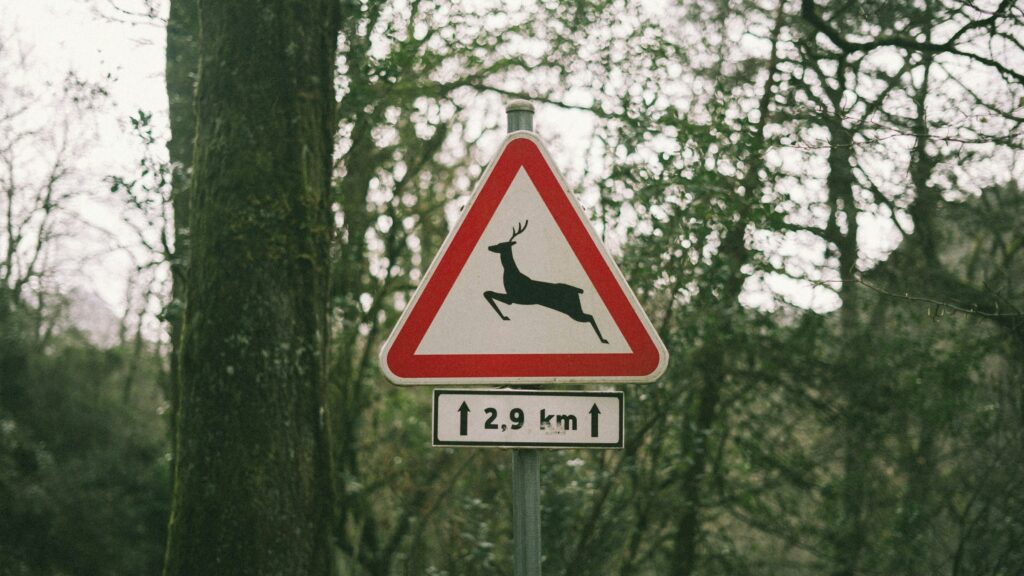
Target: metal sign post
526,511
525,462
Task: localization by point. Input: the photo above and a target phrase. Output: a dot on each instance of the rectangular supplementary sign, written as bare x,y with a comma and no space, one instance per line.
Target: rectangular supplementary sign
528,418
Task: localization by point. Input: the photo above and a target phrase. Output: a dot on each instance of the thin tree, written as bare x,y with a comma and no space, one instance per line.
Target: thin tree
180,75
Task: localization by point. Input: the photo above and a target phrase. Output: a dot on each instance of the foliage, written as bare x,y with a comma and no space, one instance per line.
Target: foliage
83,469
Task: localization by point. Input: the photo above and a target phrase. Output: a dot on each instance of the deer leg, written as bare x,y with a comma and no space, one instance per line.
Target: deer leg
589,318
492,296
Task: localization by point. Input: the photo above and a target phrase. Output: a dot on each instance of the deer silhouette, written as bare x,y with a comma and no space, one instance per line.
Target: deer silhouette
521,289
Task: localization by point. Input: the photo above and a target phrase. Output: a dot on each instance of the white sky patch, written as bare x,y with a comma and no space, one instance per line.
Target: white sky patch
63,36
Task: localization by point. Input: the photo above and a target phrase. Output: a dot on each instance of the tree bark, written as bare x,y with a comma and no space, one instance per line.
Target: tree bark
252,478
181,69
848,537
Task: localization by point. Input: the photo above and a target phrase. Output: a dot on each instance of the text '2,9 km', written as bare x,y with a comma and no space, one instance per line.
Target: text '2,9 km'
520,418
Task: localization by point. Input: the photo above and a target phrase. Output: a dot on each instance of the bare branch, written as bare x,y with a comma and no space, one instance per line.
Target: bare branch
809,12
974,310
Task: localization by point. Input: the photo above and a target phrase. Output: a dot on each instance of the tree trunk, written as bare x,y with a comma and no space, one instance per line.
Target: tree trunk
848,537
182,66
722,314
252,478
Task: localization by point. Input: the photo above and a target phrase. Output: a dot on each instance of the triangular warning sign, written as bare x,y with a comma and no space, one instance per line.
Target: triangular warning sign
523,291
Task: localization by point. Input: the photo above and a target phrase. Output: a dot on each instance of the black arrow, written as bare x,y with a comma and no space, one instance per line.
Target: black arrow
593,421
463,419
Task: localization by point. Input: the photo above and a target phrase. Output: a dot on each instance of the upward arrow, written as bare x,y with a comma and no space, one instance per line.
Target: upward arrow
463,419
594,412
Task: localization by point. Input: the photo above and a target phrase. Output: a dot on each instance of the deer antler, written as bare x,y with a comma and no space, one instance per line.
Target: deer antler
518,230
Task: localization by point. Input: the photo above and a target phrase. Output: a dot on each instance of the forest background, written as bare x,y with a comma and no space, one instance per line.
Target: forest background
818,203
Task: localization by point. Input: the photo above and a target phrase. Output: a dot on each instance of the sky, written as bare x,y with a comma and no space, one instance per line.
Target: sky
80,36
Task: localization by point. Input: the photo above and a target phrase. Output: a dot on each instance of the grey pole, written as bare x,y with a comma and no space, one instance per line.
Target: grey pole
526,511
525,462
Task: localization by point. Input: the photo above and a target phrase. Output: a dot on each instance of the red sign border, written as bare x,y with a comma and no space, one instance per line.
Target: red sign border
648,357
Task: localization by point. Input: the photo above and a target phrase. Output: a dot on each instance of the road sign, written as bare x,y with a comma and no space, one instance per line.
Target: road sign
533,418
523,291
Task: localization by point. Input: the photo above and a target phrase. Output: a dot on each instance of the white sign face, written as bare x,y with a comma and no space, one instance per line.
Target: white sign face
528,418
523,291
466,322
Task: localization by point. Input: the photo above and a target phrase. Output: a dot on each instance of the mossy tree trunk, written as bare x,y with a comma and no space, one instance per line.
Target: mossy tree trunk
182,65
252,478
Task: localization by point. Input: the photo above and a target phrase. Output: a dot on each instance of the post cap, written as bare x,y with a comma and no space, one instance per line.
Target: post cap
519,114
519,105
